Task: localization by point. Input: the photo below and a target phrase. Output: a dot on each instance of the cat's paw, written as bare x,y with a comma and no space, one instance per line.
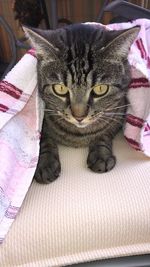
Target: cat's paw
97,163
48,168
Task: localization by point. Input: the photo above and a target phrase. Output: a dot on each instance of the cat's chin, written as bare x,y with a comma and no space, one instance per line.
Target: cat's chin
78,124
81,124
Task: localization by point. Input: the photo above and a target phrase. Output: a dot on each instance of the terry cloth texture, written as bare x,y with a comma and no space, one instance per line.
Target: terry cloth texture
83,216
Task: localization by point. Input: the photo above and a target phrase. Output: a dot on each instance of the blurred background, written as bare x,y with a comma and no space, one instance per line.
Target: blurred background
47,14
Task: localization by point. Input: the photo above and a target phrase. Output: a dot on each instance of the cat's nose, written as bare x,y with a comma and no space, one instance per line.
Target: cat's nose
79,111
80,118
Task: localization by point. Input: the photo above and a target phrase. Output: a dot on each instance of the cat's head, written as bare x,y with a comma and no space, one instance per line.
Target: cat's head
83,70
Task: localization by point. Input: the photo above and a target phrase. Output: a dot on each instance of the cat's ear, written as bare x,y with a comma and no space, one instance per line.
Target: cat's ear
38,40
121,44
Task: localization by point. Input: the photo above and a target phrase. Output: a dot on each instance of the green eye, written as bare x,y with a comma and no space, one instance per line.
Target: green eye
100,90
60,89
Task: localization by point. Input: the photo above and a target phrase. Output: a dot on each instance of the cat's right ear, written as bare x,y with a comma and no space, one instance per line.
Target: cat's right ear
119,47
38,40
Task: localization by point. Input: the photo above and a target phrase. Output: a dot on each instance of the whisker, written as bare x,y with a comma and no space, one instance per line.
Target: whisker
126,105
112,109
115,113
105,121
113,119
50,100
109,119
54,114
118,107
98,113
53,110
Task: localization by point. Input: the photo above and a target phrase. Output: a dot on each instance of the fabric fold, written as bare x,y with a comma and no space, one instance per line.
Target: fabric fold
21,116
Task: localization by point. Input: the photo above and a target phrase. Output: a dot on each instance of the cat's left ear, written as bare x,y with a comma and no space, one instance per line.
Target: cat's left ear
121,44
38,39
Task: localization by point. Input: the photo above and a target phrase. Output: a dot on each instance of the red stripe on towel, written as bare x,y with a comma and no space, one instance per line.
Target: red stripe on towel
148,62
135,121
139,82
143,52
10,89
139,86
147,128
3,108
141,48
133,143
32,52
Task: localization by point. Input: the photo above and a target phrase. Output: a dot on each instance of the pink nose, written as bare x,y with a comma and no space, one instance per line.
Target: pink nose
79,118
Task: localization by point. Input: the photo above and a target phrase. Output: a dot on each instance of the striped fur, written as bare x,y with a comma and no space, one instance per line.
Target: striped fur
80,57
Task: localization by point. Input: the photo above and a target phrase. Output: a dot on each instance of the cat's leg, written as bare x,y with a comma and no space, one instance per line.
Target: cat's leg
48,168
100,158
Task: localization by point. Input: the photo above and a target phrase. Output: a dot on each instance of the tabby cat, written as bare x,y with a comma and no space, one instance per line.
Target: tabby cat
83,76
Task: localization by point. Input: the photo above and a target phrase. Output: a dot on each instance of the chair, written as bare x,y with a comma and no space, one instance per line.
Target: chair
5,68
125,10
14,44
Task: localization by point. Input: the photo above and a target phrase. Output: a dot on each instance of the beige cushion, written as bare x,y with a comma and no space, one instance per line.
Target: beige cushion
83,216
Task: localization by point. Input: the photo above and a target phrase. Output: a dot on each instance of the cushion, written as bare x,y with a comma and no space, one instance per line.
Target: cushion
83,216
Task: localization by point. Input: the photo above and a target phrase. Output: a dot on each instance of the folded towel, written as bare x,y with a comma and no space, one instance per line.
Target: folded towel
21,116
137,127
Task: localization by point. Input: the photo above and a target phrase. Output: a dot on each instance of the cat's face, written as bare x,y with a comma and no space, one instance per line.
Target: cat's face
83,71
81,109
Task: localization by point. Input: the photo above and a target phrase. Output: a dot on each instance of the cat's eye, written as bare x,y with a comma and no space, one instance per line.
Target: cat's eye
60,89
100,90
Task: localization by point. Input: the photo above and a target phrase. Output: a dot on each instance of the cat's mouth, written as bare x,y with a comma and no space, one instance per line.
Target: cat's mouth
80,122
78,115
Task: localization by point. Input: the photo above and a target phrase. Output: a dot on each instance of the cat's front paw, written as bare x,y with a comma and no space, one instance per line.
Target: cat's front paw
48,168
98,163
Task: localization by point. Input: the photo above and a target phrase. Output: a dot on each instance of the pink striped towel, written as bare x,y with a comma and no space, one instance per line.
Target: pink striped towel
21,115
137,127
